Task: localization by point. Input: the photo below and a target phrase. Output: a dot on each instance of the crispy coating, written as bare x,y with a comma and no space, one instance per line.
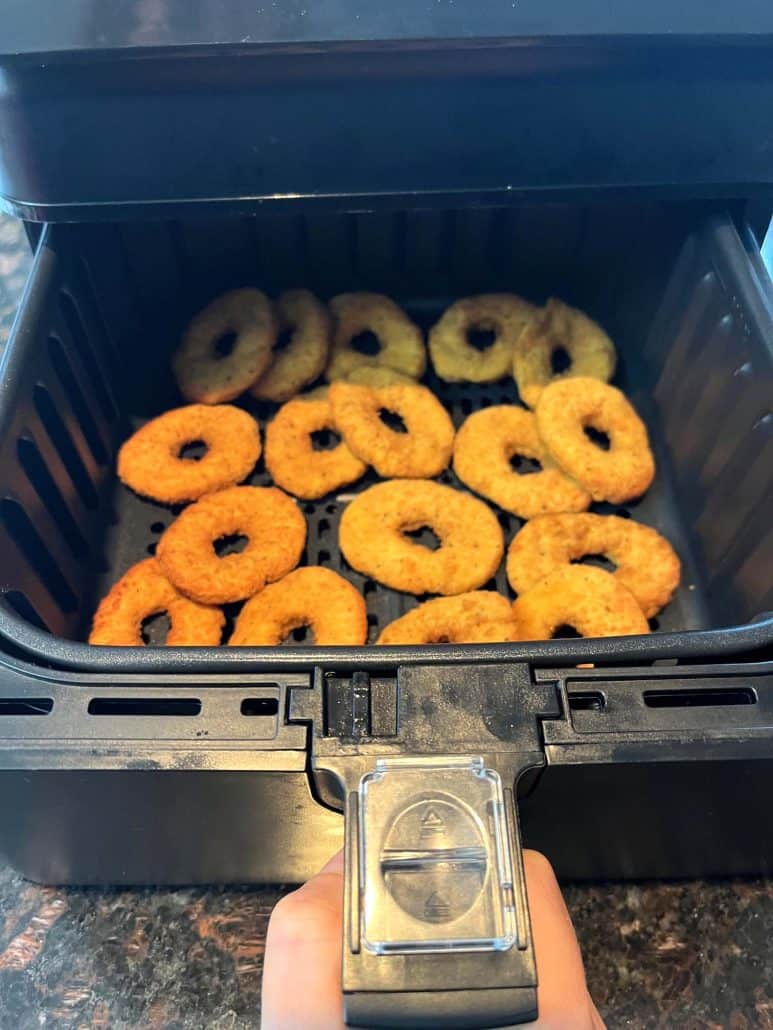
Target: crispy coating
373,529
143,591
293,462
401,343
314,597
483,448
646,562
305,356
454,357
275,531
594,603
206,376
423,450
565,408
560,328
477,617
150,461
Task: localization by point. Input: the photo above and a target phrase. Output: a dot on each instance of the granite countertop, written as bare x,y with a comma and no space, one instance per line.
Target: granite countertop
684,955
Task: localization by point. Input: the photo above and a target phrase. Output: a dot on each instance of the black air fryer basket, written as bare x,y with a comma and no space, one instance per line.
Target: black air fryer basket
623,162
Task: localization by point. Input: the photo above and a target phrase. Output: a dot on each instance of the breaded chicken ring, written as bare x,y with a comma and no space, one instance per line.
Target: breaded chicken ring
454,357
478,617
565,408
144,591
646,562
400,341
202,372
314,597
422,450
291,458
483,448
151,462
275,531
560,328
305,356
373,528
589,600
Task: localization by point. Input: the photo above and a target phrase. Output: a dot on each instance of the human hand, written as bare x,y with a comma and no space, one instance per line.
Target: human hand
302,971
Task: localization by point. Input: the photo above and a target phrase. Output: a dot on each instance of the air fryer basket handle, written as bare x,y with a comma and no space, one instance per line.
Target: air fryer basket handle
436,925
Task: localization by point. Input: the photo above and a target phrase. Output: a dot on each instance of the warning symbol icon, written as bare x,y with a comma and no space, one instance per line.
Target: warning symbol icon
431,823
436,908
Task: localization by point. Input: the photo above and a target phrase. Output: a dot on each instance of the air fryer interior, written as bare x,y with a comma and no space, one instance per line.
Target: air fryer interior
109,304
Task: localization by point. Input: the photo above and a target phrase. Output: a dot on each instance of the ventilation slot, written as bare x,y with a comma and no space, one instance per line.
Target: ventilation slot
25,609
77,400
62,441
587,701
153,706
26,538
82,342
25,705
700,697
48,492
260,706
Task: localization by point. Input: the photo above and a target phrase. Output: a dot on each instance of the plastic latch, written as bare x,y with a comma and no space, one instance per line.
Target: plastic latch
435,869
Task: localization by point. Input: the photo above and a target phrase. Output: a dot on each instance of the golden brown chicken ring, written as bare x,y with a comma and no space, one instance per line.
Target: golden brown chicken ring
421,449
291,458
272,523
204,374
305,356
153,464
456,359
312,597
373,537
646,562
400,342
477,617
560,328
589,600
483,449
144,591
566,408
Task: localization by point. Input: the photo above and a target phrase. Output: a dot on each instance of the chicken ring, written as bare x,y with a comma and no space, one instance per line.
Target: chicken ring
499,317
144,591
478,617
153,464
566,408
646,562
374,528
312,597
483,449
400,342
420,448
558,328
295,465
589,600
305,355
275,532
210,372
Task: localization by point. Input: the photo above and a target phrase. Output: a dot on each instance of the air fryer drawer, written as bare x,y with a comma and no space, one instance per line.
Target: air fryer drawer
685,298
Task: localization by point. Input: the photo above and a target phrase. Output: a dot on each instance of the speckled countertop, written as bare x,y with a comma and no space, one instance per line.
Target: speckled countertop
683,955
